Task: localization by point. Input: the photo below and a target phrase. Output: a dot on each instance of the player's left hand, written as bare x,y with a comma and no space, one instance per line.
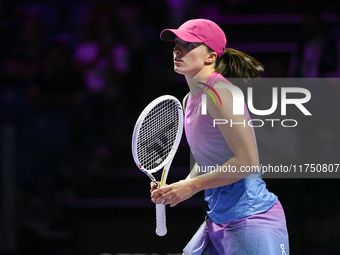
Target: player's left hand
174,193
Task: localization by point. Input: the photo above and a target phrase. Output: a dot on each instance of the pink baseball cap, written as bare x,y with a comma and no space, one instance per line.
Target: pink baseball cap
199,30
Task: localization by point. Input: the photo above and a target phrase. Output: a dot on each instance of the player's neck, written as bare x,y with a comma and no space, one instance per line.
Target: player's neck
201,76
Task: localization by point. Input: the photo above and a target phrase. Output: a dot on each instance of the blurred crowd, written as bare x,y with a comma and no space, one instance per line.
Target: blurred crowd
75,74
72,74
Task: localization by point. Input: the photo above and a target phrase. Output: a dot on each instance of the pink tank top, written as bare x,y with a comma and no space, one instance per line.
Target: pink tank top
246,197
207,142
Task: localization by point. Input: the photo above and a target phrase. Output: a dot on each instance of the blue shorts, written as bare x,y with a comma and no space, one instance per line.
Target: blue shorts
259,234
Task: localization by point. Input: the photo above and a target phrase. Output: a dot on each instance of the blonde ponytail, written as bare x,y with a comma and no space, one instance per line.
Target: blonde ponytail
236,64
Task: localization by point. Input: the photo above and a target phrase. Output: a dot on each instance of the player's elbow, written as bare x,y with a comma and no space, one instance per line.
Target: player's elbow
250,161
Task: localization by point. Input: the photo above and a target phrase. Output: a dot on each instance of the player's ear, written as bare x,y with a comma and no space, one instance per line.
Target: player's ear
211,57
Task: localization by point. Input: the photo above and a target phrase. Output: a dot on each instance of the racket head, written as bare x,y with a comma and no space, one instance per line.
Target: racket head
157,133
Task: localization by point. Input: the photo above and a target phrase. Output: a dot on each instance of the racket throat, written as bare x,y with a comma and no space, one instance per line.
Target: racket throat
153,181
163,179
164,174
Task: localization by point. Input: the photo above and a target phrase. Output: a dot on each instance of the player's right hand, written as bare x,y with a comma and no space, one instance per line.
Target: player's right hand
152,186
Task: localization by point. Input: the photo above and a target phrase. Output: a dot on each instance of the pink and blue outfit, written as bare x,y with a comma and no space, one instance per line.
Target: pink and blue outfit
243,217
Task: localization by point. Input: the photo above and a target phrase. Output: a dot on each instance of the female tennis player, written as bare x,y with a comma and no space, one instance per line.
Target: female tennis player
243,217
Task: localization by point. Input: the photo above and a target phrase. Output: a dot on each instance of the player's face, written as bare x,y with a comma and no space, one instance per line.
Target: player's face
189,58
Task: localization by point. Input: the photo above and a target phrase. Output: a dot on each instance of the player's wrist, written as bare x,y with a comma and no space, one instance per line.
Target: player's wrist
195,184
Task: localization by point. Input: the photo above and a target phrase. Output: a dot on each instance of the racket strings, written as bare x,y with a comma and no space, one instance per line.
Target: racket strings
157,134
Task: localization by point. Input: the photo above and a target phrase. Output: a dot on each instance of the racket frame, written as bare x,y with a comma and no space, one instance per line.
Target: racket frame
160,208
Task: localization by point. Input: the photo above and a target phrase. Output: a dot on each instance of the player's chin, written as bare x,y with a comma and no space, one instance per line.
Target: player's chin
179,70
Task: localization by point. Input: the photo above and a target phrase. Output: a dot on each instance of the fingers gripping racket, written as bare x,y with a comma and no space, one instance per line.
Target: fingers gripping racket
155,140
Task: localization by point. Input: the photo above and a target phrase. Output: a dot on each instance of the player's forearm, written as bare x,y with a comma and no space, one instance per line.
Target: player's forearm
230,172
193,172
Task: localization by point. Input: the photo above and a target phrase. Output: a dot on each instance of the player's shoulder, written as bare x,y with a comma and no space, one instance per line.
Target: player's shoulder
220,100
223,92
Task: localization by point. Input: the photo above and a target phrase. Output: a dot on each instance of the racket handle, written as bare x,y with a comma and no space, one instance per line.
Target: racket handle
160,220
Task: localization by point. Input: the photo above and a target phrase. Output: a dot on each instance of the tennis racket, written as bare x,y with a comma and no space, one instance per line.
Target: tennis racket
155,140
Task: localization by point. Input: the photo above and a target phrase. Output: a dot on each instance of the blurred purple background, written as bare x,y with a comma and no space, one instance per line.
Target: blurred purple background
74,76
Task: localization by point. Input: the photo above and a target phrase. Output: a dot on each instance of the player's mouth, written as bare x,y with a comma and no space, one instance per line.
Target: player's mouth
177,61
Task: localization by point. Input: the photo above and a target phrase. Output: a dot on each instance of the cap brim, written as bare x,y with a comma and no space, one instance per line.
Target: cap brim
171,34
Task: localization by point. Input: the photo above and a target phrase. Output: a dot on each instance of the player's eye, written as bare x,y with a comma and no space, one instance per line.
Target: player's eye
186,44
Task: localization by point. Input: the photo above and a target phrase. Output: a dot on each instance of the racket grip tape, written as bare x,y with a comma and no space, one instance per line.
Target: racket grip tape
160,220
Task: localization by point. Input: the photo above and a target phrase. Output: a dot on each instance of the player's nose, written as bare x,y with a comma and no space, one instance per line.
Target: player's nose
177,50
